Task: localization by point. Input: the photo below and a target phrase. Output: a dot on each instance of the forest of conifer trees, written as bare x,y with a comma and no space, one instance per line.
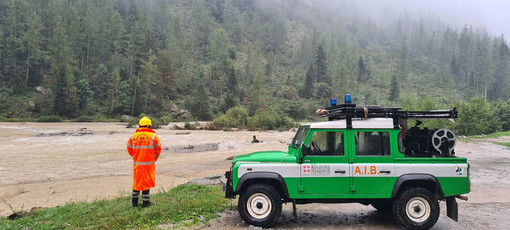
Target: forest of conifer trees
106,58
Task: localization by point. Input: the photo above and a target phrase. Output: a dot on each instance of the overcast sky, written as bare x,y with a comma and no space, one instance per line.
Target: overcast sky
494,15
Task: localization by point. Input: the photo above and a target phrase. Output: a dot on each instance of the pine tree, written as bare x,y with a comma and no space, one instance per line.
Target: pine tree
59,89
394,89
148,77
307,90
32,41
363,73
198,101
321,68
501,71
72,102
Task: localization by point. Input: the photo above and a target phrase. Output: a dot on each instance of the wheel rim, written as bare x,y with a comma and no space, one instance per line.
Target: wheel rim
259,205
418,209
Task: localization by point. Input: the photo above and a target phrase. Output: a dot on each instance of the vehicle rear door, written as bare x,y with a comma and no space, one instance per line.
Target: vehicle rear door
372,168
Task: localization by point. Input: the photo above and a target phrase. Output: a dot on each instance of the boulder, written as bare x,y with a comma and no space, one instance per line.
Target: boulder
185,115
174,108
42,90
125,118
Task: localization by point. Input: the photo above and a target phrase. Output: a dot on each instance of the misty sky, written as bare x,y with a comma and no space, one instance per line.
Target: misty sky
494,15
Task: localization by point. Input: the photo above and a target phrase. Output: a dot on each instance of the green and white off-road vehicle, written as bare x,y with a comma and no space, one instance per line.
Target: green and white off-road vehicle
363,154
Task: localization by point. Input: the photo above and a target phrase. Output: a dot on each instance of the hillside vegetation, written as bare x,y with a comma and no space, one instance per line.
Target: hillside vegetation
103,59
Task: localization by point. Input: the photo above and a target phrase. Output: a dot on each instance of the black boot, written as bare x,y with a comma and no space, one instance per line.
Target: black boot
134,198
145,198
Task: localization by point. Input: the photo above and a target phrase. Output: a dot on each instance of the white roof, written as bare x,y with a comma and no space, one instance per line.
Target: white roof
370,123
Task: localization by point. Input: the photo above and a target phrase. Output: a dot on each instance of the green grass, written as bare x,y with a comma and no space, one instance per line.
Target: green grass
492,135
506,144
182,205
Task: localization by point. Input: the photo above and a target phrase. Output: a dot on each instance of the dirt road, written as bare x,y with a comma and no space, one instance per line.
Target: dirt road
50,164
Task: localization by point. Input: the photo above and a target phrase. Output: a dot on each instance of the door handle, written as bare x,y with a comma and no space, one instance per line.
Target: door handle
385,171
339,171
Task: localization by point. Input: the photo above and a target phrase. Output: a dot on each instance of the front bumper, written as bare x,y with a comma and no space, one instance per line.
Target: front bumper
227,186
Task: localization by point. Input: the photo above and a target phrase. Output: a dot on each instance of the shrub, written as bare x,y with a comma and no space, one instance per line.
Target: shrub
51,118
476,116
502,110
132,123
166,119
85,119
269,119
189,126
236,117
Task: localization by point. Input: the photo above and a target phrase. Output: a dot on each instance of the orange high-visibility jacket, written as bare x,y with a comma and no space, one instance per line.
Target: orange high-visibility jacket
144,147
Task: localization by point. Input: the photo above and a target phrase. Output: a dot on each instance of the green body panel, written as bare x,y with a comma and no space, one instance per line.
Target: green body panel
453,186
349,186
314,187
266,156
292,186
259,157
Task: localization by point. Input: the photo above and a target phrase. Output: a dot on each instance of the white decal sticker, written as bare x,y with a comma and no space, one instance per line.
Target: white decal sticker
320,170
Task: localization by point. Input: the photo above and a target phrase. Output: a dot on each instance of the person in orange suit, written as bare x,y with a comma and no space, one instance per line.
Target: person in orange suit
144,147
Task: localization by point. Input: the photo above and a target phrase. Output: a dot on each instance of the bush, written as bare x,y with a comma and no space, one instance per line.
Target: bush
166,119
236,117
476,116
189,126
269,119
502,110
85,119
51,118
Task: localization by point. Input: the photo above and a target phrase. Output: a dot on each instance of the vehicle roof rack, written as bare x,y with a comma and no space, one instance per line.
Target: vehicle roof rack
349,111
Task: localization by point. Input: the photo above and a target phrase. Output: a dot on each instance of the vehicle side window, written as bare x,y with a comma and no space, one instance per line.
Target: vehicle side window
401,147
327,143
372,143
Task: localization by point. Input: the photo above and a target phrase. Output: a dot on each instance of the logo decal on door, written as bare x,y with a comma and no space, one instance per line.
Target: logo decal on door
316,170
366,170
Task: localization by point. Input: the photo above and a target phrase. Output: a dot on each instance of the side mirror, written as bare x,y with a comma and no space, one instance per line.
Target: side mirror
305,150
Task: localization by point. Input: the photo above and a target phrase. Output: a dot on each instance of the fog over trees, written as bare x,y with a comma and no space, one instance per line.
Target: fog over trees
75,58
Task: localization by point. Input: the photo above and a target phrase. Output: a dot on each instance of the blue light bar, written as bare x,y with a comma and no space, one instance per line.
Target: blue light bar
348,99
333,102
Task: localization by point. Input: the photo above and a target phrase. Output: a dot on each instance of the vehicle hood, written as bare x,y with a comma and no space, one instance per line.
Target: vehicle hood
266,156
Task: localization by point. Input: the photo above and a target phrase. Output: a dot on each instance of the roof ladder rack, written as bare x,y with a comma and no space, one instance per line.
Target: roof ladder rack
349,111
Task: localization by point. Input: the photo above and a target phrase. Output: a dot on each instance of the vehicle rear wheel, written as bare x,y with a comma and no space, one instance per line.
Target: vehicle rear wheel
383,205
260,205
416,208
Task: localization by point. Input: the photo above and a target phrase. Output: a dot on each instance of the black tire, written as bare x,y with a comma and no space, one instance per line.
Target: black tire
260,205
383,205
416,208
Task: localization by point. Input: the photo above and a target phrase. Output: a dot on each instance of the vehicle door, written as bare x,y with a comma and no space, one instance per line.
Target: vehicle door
372,168
325,168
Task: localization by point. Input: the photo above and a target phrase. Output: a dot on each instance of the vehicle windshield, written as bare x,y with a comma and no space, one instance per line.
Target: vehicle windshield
300,136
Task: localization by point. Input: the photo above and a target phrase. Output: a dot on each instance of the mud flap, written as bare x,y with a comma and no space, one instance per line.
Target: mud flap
452,209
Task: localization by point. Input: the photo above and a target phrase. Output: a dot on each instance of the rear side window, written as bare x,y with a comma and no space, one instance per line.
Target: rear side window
372,143
401,147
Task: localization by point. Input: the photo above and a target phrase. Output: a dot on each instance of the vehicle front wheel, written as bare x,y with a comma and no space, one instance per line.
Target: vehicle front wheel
416,208
260,205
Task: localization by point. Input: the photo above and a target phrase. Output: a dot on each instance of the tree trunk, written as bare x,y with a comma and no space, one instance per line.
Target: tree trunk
28,68
133,100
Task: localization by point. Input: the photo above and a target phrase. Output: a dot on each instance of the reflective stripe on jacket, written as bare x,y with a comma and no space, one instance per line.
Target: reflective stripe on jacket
144,147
